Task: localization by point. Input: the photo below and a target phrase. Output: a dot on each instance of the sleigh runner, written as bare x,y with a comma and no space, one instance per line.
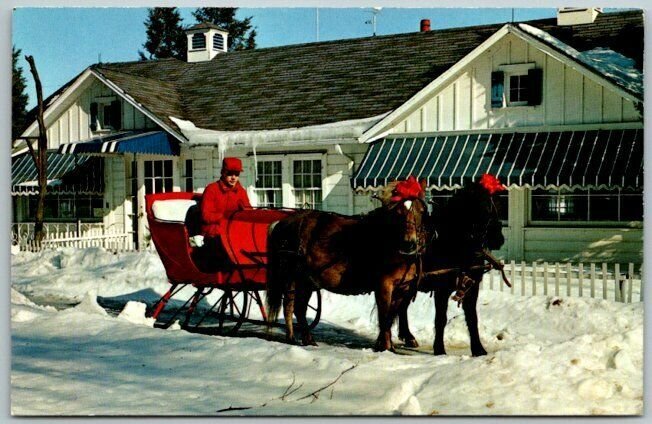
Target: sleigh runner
237,280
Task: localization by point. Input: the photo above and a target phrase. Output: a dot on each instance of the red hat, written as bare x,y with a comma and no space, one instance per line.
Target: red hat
232,165
491,184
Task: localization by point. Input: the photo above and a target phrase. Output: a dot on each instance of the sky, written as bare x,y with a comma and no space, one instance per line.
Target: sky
64,41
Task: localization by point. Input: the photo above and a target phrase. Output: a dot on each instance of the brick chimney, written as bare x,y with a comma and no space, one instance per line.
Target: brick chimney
425,25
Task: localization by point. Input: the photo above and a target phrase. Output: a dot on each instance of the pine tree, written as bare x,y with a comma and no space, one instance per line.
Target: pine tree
241,35
18,96
165,34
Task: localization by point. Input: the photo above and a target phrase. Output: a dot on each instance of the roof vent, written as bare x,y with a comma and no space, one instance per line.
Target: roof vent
577,15
205,41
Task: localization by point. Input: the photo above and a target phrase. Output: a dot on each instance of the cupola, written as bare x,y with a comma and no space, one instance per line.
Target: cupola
205,41
577,15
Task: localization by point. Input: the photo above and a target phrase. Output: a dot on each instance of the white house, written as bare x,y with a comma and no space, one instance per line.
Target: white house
550,107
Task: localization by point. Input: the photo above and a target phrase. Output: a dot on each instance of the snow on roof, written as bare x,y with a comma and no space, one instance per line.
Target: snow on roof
334,132
607,62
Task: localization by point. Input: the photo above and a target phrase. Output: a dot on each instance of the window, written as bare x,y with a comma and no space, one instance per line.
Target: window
306,180
268,187
291,181
106,115
218,42
158,176
516,85
587,205
69,207
438,200
187,175
199,41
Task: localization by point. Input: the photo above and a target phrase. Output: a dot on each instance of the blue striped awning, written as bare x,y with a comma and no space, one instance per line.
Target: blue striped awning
66,174
595,158
152,142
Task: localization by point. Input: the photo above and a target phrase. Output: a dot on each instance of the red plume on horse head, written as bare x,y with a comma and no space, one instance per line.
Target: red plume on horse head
491,184
409,189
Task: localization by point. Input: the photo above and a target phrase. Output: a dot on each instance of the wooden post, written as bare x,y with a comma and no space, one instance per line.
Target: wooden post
592,270
604,280
630,282
491,279
534,278
580,277
522,278
568,279
617,297
557,278
545,278
513,263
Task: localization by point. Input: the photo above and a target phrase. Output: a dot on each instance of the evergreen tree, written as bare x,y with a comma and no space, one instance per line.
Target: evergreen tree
241,35
18,96
165,34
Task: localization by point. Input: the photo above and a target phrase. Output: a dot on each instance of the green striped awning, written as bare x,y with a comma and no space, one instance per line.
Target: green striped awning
66,174
587,158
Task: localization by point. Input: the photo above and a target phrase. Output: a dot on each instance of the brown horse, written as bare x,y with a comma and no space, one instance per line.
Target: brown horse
467,227
377,252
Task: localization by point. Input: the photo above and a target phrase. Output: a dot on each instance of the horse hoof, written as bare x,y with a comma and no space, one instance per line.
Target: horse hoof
479,352
309,342
438,351
411,343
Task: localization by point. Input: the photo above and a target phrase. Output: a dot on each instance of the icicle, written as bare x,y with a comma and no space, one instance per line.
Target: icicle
222,145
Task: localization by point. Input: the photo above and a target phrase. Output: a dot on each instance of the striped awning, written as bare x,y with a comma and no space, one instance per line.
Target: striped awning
587,158
152,142
66,174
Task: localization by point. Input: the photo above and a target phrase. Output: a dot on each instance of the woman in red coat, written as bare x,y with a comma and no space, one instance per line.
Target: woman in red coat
219,200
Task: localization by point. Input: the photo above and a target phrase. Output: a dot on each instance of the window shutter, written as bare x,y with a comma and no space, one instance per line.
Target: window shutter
535,86
497,88
116,114
93,116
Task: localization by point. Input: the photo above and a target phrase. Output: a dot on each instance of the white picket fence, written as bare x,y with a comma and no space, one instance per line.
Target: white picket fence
617,282
78,235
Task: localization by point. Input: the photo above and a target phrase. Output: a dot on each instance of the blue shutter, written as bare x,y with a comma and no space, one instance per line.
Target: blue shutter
93,116
497,89
535,86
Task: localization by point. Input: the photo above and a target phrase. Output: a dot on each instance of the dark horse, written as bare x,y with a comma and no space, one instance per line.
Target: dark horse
467,227
377,252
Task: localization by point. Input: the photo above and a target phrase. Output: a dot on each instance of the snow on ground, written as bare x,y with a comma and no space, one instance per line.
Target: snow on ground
547,355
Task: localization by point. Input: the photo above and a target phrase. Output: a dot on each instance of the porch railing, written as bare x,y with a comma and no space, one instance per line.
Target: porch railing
616,282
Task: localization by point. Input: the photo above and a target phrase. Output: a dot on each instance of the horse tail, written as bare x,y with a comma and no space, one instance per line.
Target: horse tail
275,281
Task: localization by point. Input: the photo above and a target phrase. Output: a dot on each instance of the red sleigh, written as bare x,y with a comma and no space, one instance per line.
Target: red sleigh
239,279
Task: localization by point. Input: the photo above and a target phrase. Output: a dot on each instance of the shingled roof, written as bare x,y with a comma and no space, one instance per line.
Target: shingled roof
317,83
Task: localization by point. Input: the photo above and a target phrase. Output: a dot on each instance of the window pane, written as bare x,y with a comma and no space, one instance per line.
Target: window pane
604,206
316,180
573,207
188,168
631,207
149,168
544,205
168,185
296,181
277,167
502,205
277,181
168,168
158,168
149,186
297,166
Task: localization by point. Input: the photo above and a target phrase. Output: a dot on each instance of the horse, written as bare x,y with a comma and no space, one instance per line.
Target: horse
351,255
467,228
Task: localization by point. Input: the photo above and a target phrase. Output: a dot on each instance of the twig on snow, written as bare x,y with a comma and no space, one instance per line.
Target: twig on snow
315,394
234,408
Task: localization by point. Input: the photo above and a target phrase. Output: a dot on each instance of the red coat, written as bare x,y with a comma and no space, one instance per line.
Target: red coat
218,201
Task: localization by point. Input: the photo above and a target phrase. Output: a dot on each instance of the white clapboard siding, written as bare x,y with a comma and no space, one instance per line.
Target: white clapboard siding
569,98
